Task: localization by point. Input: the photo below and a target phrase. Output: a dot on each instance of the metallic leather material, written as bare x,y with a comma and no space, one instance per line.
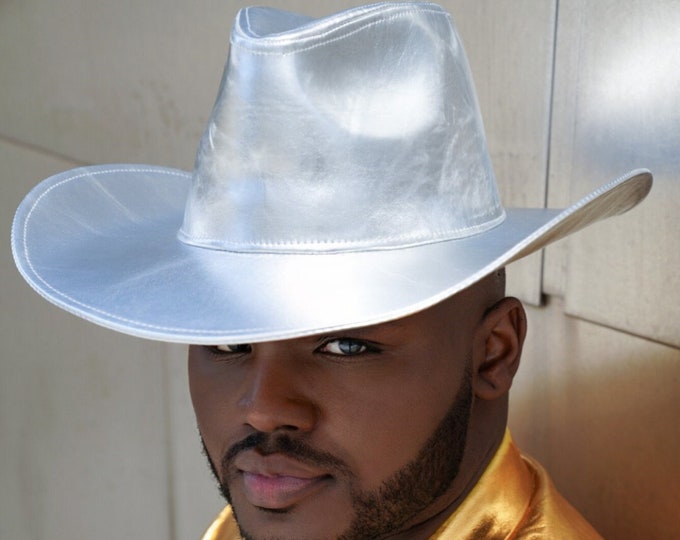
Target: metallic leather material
357,131
343,180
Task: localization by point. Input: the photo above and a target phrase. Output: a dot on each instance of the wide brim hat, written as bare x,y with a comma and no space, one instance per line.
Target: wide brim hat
343,180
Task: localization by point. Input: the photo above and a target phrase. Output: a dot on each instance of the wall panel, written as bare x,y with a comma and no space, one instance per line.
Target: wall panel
83,450
617,68
598,408
118,81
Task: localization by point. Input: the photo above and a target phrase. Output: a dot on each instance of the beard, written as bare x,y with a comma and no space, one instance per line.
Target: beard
402,496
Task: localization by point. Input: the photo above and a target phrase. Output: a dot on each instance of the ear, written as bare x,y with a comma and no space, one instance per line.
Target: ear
498,347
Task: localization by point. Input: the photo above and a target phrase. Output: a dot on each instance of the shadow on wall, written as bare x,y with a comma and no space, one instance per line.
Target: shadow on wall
598,408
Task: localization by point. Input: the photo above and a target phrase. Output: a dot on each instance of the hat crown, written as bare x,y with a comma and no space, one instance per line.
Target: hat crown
358,131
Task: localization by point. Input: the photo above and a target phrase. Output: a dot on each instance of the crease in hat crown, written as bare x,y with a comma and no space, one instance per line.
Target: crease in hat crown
321,143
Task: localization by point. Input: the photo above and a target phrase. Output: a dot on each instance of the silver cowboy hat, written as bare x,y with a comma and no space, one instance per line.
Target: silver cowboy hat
343,180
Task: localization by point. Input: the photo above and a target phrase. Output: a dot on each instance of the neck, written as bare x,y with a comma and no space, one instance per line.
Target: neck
488,422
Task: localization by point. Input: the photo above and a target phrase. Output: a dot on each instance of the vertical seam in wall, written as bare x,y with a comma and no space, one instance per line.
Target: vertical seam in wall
551,98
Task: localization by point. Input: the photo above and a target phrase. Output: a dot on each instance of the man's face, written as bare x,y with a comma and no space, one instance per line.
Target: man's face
353,434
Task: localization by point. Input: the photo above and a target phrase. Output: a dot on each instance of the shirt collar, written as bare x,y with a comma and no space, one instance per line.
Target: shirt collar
497,503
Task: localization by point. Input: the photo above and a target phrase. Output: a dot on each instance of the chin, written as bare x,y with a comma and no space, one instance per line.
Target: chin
316,517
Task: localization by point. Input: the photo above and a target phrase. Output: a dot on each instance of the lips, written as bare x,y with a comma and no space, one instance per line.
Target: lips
276,481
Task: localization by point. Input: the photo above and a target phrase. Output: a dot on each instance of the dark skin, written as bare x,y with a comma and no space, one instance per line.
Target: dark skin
365,403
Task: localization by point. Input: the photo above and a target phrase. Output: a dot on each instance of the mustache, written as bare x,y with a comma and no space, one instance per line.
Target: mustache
292,447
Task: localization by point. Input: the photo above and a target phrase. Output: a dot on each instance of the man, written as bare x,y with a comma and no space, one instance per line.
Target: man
336,258
378,432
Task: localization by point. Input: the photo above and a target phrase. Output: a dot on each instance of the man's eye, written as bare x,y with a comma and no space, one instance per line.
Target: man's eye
345,347
240,348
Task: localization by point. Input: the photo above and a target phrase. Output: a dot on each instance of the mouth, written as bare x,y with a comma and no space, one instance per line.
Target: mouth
277,482
279,492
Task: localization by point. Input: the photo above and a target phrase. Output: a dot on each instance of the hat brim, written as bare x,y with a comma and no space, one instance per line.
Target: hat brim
101,242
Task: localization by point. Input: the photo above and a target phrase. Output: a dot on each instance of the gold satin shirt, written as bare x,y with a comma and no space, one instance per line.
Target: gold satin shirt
513,500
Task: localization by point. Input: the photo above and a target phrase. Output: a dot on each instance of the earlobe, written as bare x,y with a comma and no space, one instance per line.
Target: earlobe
499,341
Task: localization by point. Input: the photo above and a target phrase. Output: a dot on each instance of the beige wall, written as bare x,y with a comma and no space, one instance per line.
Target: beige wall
97,433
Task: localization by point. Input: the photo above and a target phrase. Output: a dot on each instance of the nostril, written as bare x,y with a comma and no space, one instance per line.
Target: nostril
274,391
284,415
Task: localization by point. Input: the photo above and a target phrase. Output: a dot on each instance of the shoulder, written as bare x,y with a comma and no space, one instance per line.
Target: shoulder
224,527
549,514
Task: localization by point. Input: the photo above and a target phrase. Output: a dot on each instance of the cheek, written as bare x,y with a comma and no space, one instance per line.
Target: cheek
209,391
199,386
384,429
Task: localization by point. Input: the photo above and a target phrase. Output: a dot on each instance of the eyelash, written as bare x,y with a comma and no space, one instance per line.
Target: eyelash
369,349
222,355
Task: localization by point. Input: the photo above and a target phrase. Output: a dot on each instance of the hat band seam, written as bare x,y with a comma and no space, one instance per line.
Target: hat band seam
339,245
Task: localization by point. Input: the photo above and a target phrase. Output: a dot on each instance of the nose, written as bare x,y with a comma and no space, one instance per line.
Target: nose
276,395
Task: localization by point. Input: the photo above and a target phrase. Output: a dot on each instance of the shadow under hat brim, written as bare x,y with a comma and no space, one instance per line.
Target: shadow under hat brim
101,242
